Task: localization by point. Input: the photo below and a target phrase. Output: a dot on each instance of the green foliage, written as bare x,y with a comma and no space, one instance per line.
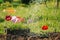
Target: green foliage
1,20
39,12
6,5
18,26
15,4
1,0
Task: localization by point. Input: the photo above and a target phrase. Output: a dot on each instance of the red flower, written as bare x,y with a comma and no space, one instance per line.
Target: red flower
45,27
8,18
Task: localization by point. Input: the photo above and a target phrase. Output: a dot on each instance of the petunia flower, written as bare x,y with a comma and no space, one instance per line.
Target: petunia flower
13,19
44,27
17,19
8,18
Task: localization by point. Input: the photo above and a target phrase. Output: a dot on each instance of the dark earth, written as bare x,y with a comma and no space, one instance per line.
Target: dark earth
27,35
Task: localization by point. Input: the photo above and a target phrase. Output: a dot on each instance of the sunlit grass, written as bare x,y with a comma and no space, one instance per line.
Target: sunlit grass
49,17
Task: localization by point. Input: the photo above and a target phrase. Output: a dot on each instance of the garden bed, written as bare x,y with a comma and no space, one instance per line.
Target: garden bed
51,36
25,34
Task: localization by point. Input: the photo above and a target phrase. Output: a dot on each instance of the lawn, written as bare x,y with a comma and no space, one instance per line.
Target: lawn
40,15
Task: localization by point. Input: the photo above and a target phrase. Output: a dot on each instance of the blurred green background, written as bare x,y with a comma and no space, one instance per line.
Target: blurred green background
42,12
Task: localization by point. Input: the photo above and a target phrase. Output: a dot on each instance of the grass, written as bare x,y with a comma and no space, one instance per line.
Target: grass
48,16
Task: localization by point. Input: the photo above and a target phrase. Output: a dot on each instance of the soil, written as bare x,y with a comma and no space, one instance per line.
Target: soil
52,36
